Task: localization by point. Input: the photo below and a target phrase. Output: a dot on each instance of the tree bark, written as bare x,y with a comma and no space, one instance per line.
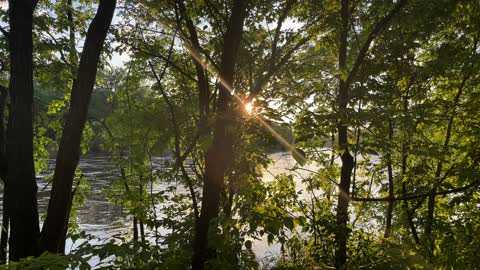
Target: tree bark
56,224
21,185
347,159
343,100
219,154
20,179
135,229
142,230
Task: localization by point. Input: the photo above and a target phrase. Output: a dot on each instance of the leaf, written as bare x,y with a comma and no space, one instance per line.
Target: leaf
343,74
270,238
289,223
370,151
248,244
299,156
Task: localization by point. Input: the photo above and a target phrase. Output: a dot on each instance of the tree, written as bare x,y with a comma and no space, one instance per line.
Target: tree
345,80
20,182
375,104
219,154
56,224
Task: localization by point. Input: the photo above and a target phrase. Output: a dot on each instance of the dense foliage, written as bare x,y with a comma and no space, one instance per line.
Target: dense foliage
375,101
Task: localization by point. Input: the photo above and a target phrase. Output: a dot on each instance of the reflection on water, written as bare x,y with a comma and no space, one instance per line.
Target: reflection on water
98,216
102,219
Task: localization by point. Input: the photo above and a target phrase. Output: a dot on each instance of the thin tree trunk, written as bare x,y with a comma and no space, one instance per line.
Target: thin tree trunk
58,213
142,230
73,58
135,229
21,184
203,88
332,162
438,171
219,154
343,100
411,224
229,197
178,156
403,173
347,160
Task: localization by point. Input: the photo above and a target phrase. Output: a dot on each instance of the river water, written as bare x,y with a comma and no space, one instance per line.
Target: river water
103,219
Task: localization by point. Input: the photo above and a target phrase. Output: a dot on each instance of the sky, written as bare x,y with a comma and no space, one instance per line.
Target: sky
117,59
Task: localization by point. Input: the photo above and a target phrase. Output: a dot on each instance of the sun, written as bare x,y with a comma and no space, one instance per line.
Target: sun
249,108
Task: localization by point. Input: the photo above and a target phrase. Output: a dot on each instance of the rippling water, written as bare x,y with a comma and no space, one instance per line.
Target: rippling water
102,219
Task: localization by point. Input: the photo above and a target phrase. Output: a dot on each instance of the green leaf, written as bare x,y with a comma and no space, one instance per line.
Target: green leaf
299,156
343,74
270,238
289,223
248,244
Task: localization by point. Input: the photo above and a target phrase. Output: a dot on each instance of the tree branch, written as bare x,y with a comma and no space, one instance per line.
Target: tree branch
164,59
179,161
273,68
417,196
281,19
375,31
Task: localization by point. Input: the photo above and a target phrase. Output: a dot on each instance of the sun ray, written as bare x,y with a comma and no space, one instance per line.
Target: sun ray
249,108
246,104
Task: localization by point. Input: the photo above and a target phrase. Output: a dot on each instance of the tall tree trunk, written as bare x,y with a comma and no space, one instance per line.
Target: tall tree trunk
56,224
403,173
21,185
347,159
142,230
219,154
343,100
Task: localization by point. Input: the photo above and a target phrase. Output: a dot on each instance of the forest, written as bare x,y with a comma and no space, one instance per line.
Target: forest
240,134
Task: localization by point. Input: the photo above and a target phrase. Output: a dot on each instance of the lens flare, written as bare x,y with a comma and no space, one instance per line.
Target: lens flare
249,108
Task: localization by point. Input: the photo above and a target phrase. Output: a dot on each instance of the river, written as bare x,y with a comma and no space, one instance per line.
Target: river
103,219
